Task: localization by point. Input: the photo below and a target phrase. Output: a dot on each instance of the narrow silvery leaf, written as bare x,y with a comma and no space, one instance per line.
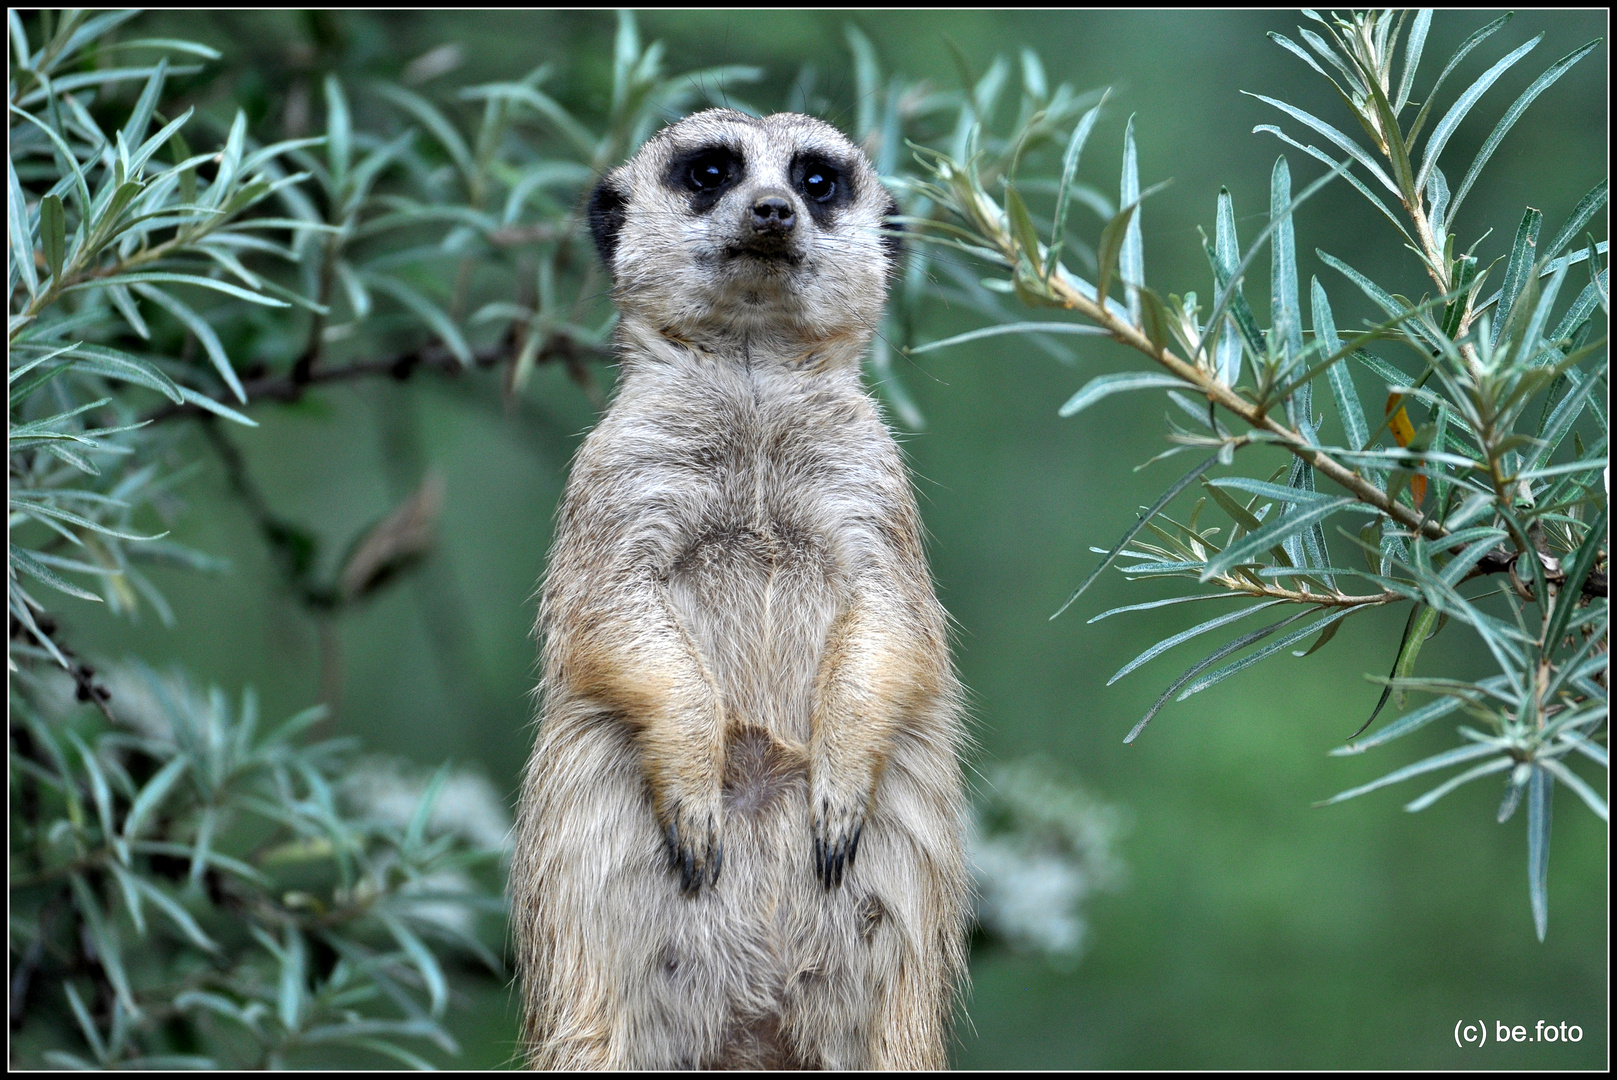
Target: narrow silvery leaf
1167,496
1327,624
339,135
1353,149
1540,790
1069,171
1462,106
1131,259
1443,760
1227,357
1272,533
22,235
1412,52
1105,385
1454,61
134,131
1527,342
1355,428
429,313
1587,208
1571,593
1437,195
1487,768
1268,490
1518,269
1185,635
435,122
1506,122
204,334
1234,646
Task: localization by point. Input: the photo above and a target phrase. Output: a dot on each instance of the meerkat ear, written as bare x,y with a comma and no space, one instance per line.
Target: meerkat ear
608,209
891,240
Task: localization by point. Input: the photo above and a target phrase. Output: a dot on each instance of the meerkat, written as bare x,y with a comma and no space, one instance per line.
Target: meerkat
740,836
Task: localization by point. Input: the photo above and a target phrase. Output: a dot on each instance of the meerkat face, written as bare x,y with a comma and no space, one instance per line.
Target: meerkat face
725,224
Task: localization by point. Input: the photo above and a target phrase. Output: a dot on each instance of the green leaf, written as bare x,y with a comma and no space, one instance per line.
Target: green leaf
1506,122
1437,761
134,129
339,135
1069,171
1587,208
1327,624
1027,238
1227,353
22,560
1457,112
1487,768
1518,269
1105,385
435,122
1425,620
424,309
22,235
1354,425
179,279
1164,603
1111,246
1540,790
1235,646
177,915
422,959
106,946
1293,495
1131,257
1412,53
53,233
1319,155
204,334
152,795
1185,635
1007,328
1275,532
92,1034
1179,485
1460,54
207,404
1353,149
1572,591
1285,311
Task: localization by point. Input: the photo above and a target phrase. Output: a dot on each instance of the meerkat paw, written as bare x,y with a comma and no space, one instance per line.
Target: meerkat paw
691,829
837,822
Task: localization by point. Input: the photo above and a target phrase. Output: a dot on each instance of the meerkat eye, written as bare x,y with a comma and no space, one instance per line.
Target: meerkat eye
710,170
819,182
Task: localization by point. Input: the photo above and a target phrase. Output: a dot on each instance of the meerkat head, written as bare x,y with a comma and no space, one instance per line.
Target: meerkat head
726,225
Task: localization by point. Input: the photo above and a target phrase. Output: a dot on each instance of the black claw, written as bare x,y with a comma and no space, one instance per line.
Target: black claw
853,848
718,862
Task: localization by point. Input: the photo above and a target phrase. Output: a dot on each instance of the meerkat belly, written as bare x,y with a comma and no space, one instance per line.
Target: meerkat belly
758,599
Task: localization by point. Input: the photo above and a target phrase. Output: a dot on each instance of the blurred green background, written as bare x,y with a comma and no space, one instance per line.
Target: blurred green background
1254,930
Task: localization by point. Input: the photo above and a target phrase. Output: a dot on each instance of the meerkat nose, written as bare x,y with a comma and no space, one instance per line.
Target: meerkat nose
773,214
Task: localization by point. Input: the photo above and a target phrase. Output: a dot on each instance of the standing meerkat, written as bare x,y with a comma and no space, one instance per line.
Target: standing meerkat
740,834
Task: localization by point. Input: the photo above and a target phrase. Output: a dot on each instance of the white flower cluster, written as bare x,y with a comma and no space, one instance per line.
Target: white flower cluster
1039,846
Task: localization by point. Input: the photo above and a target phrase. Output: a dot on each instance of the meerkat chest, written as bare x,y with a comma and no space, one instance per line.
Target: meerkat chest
786,478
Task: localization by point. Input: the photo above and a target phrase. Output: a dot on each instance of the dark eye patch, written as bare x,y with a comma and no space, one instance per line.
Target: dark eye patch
825,184
705,174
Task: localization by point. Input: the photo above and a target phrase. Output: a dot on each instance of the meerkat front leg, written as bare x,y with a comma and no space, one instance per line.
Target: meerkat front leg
871,676
633,655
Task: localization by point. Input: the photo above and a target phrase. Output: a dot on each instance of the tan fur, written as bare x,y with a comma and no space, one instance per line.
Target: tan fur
745,670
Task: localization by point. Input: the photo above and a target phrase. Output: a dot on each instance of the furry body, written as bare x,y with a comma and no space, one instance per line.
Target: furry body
739,843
